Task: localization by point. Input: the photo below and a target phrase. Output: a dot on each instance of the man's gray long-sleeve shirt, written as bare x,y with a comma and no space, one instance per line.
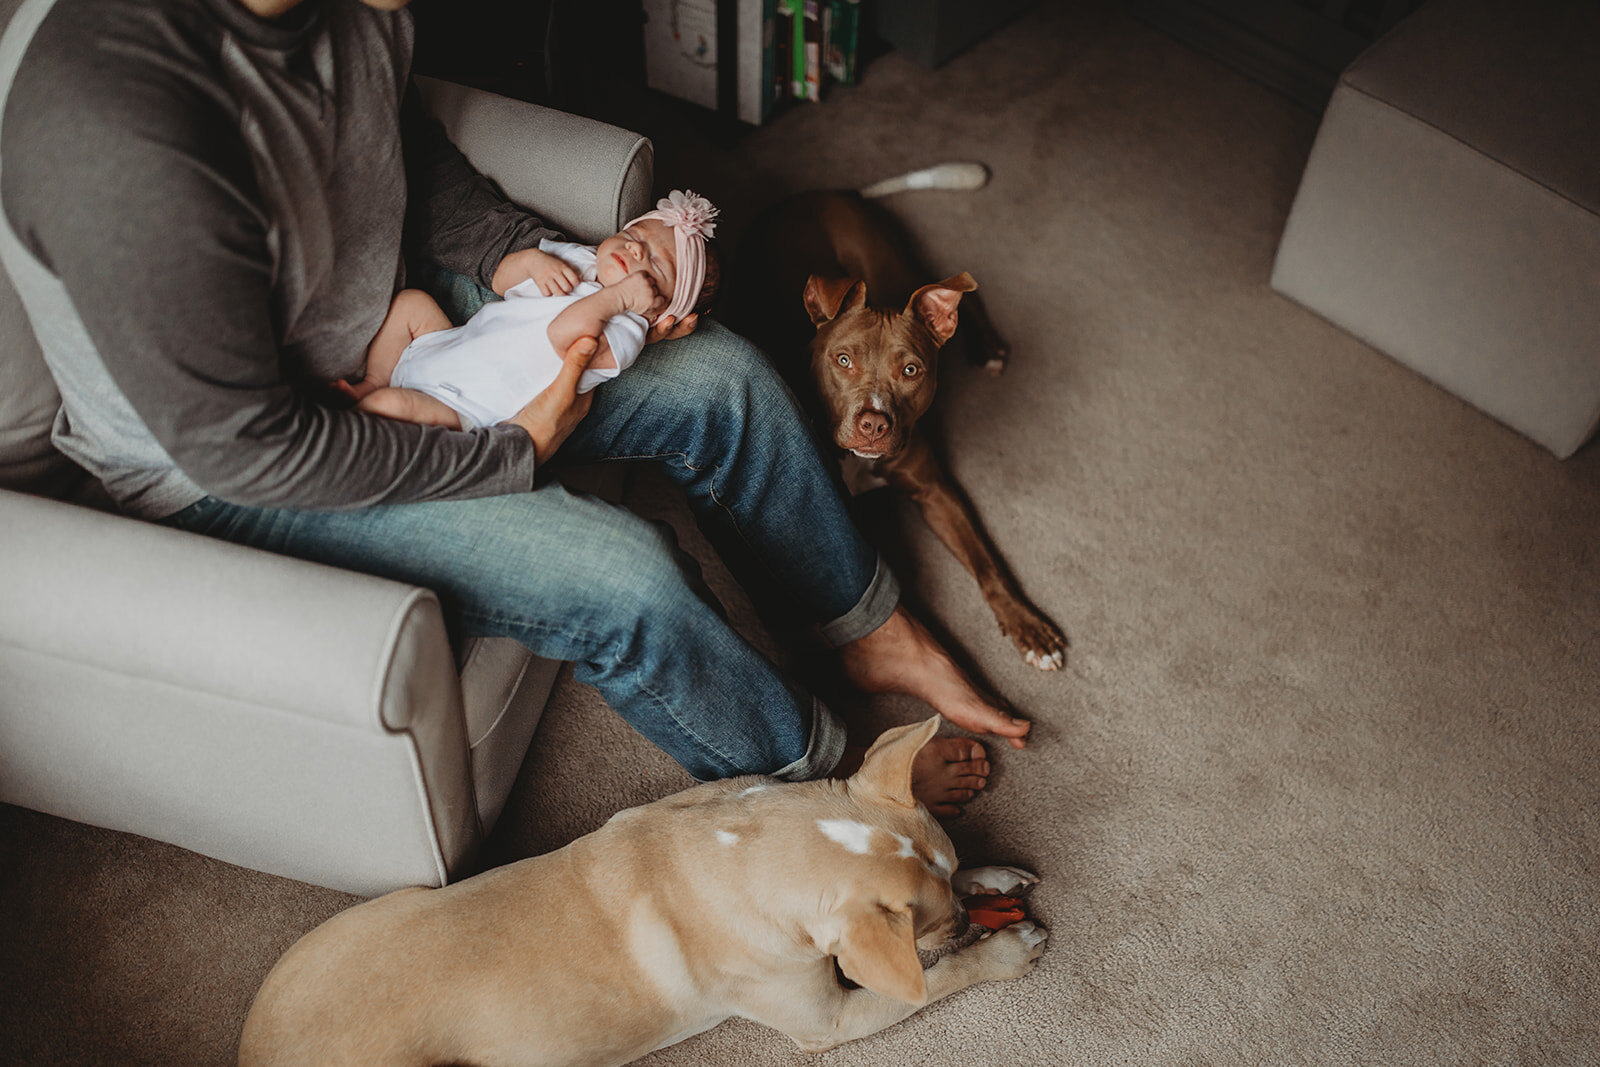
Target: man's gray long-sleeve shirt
206,213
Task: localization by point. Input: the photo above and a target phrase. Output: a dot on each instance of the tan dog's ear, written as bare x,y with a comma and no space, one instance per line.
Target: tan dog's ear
886,770
878,951
936,304
826,297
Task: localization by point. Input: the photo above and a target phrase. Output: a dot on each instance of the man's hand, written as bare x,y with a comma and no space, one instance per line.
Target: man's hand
551,416
553,275
669,329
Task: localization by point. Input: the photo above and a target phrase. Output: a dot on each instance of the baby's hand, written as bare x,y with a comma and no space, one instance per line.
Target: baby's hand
640,295
552,274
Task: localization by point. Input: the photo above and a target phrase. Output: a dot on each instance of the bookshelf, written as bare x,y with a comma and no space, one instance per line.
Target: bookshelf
746,59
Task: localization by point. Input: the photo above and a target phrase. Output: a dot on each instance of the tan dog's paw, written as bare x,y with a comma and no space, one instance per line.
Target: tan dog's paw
1041,643
1011,952
1011,881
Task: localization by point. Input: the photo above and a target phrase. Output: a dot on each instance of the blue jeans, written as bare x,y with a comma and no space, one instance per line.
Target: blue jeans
574,578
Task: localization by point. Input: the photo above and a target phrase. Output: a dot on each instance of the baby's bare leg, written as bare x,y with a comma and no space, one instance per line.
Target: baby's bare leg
411,314
409,405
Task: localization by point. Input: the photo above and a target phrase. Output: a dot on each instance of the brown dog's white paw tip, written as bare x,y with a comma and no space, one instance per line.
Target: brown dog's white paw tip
1045,661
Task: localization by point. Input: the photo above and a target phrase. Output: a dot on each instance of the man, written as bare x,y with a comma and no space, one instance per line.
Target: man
204,204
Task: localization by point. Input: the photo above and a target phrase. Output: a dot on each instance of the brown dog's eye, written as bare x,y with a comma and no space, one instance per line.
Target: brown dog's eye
911,370
844,360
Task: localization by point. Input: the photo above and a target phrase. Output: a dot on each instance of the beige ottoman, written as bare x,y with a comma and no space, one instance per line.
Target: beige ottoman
1449,214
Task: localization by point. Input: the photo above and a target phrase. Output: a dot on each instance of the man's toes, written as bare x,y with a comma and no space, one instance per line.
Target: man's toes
977,767
957,749
969,781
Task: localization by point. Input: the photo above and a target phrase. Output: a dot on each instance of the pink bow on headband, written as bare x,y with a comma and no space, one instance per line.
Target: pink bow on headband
691,217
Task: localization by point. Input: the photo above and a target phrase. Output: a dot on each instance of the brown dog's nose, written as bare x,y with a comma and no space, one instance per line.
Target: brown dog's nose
872,424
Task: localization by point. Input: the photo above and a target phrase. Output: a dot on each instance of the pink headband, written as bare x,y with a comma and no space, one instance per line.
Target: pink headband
690,217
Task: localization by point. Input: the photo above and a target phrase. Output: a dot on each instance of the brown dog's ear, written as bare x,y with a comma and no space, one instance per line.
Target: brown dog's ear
936,304
886,770
878,951
825,297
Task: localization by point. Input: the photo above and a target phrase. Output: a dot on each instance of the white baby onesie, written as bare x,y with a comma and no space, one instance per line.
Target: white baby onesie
487,370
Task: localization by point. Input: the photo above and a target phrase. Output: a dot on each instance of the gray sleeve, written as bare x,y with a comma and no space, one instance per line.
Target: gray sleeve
150,219
454,215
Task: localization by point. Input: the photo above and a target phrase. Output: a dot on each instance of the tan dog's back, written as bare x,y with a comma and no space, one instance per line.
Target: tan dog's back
729,898
518,957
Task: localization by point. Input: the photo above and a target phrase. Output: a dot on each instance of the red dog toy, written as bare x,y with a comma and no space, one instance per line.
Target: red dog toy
994,911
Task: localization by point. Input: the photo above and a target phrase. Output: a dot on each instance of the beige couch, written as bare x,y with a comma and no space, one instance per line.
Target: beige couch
281,715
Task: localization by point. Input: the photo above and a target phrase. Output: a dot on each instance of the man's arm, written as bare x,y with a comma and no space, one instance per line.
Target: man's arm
131,183
454,215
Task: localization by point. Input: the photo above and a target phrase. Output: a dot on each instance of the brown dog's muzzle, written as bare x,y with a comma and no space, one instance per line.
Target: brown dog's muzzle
871,426
872,433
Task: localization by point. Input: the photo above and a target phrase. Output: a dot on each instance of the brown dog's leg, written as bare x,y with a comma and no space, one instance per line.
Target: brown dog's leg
916,473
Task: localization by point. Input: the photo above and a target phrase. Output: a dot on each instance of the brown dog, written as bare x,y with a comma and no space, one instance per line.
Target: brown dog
747,897
873,338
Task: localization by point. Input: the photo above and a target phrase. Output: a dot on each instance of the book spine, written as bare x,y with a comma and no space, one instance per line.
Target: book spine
783,52
830,45
769,67
847,26
810,86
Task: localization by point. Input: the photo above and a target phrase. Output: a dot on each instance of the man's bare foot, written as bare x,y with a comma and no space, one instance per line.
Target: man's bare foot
946,774
901,656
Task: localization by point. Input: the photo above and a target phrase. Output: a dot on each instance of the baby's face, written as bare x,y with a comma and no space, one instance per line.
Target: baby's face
645,247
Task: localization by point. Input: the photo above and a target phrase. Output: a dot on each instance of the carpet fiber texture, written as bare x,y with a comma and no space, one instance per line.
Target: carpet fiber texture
1319,782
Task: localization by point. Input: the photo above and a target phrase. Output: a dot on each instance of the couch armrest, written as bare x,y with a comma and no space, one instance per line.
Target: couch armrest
289,716
149,601
585,178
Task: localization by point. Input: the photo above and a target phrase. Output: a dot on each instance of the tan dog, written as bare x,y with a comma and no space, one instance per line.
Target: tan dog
866,365
730,899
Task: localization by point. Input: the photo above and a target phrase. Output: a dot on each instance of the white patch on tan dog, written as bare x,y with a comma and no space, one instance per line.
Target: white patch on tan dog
727,837
854,836
657,952
757,788
940,863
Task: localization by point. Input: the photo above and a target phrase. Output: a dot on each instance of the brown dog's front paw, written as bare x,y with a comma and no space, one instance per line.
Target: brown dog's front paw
1041,643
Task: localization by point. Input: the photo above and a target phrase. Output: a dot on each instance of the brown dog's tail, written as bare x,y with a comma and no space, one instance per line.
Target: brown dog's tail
963,176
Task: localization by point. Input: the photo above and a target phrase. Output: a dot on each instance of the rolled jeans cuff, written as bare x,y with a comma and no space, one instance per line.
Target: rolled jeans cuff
825,750
870,612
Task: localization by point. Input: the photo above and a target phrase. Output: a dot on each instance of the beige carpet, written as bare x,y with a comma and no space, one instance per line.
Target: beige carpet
1319,784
